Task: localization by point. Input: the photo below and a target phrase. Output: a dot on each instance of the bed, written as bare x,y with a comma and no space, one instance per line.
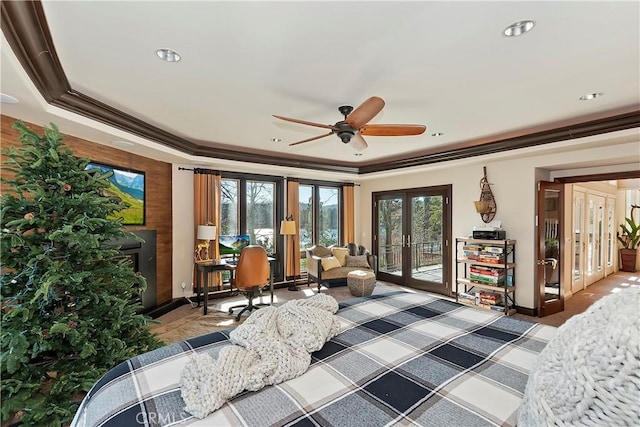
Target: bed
401,358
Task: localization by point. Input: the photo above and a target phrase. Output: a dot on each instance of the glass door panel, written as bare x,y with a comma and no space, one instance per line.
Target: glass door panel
578,241
595,244
425,240
611,235
549,263
390,239
591,237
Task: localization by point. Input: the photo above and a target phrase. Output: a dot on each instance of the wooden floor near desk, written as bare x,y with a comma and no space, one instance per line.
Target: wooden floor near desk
187,322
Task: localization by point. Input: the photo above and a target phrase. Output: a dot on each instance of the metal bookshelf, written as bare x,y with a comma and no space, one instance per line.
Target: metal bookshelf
495,258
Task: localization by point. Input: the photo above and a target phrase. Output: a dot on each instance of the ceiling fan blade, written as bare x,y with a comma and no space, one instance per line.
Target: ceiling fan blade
392,130
358,142
303,122
311,139
365,112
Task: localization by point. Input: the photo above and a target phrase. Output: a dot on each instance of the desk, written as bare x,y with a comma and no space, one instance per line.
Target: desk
205,267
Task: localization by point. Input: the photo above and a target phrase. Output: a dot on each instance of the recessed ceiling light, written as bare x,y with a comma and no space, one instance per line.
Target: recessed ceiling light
119,143
590,96
8,99
276,140
168,55
437,134
518,28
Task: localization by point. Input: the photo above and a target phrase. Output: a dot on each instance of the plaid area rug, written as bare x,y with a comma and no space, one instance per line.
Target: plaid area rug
401,359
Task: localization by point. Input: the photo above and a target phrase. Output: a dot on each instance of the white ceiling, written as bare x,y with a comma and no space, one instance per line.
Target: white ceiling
442,64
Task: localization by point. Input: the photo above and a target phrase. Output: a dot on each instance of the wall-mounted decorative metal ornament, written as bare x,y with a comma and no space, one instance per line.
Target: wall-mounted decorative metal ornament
486,206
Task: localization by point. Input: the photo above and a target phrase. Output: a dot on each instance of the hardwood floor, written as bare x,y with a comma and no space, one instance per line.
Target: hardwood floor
187,322
581,300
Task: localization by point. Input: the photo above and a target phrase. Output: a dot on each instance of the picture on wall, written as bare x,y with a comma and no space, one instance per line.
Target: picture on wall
129,186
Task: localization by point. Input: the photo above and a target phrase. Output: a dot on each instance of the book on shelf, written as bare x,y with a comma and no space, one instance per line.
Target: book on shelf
490,298
487,271
484,280
467,296
491,258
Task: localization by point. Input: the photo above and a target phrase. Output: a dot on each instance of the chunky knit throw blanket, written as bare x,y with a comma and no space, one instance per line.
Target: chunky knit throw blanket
273,345
589,374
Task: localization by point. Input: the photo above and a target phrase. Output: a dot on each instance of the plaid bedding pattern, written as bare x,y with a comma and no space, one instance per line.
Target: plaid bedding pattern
401,359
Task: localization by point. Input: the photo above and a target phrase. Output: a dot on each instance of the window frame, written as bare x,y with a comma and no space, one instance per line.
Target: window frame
316,184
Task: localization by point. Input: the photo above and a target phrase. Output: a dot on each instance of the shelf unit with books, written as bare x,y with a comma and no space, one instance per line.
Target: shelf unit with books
485,274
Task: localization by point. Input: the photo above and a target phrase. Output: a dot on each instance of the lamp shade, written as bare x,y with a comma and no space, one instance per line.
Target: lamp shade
287,227
206,232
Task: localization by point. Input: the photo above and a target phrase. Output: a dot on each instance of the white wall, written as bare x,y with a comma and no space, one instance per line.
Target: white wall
513,176
183,229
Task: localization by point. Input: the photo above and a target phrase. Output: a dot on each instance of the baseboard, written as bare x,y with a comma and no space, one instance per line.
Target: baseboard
158,311
527,311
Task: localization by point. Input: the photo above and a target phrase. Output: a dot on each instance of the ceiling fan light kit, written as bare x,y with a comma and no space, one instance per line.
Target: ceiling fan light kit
355,124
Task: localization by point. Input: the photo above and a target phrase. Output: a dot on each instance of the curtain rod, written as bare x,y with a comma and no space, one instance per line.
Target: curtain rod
200,170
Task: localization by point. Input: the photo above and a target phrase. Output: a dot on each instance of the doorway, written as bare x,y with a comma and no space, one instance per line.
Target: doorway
412,231
591,249
594,249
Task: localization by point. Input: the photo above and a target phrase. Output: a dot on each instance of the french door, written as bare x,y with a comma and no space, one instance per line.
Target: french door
594,247
550,214
412,233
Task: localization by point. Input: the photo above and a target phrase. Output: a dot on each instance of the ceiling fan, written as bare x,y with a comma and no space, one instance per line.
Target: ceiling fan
355,124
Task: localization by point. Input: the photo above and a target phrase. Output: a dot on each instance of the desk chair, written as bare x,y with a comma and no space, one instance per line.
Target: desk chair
252,273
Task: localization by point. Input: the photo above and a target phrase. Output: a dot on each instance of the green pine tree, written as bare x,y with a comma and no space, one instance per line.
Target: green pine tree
66,312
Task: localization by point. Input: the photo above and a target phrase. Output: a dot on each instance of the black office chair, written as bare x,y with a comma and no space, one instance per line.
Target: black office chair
252,274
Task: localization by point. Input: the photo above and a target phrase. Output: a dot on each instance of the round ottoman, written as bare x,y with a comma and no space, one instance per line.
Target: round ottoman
361,283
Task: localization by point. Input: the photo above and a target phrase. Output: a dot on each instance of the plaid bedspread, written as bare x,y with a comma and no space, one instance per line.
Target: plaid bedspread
401,358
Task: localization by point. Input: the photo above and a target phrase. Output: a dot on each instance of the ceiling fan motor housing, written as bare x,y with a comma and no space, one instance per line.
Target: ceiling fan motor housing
344,132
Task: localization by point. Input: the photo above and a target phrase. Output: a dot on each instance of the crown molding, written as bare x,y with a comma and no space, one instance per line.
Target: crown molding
27,32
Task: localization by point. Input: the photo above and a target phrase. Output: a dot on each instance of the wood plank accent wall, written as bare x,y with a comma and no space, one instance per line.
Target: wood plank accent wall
158,193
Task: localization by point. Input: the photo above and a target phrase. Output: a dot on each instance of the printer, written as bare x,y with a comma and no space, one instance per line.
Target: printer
490,231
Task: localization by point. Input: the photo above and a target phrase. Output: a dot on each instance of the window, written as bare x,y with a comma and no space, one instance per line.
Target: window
261,213
230,210
249,205
328,216
320,214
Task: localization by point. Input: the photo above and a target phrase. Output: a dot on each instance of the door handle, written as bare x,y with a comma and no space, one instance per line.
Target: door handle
403,240
409,240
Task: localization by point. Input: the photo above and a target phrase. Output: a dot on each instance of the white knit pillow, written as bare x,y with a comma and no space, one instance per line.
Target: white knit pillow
588,374
330,262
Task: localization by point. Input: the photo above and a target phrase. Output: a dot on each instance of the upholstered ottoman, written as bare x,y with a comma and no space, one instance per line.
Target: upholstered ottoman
361,283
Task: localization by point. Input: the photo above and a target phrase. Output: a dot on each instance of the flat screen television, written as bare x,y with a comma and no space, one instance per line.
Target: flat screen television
232,244
127,185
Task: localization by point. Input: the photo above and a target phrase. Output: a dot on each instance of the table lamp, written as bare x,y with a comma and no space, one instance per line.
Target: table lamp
288,228
206,233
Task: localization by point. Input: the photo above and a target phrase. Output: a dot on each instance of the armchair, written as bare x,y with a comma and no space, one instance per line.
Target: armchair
328,272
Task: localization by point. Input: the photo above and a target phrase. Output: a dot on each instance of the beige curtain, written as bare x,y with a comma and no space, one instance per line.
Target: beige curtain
348,214
206,209
293,210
